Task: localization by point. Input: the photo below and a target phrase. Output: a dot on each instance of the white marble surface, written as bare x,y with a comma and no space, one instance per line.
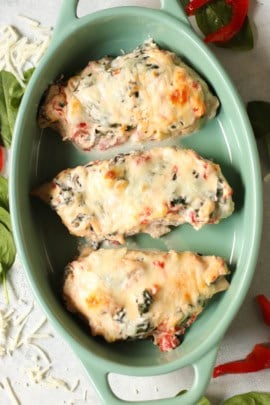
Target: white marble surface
250,73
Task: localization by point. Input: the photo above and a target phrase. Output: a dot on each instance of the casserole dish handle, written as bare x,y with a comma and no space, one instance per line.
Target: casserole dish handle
202,374
68,14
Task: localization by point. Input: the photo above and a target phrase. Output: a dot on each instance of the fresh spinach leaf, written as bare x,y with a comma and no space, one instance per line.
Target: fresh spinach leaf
185,3
5,219
4,280
250,398
242,41
11,93
27,74
259,115
7,248
4,193
215,15
204,401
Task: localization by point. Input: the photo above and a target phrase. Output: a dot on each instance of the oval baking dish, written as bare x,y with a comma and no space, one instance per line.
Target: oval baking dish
45,246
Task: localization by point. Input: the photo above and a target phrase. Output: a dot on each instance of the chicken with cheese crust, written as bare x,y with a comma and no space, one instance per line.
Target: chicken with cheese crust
147,94
139,192
132,294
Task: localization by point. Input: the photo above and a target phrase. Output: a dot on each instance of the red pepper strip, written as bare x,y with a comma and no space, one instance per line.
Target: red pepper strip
258,359
265,307
193,6
1,158
239,13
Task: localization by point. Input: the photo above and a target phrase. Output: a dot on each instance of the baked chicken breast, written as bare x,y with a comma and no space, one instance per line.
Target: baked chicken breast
147,94
139,192
132,294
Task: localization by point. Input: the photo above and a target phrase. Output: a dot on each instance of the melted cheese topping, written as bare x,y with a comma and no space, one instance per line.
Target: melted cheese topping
134,294
148,94
139,192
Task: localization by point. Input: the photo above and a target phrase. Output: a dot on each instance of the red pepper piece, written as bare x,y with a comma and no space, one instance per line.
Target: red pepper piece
258,359
1,158
194,5
265,307
239,13
225,33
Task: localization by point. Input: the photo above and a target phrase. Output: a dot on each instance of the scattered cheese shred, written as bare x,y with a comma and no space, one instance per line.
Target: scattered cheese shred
9,314
15,341
19,52
22,317
10,391
40,336
2,351
38,327
75,386
4,324
37,374
41,351
57,383
30,20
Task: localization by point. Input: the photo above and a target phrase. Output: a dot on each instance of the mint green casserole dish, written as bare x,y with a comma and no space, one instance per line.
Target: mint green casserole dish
45,246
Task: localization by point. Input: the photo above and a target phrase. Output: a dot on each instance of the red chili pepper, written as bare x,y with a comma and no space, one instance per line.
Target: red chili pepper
265,307
225,33
1,158
239,13
258,359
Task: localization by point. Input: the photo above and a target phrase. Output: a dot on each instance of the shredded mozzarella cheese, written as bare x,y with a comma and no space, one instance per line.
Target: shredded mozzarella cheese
36,374
41,351
4,324
22,317
57,383
19,52
10,391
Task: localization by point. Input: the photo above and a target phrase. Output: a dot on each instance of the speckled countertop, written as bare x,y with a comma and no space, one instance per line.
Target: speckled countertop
250,72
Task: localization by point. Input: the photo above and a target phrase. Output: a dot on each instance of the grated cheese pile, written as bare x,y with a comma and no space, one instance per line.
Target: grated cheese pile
14,335
19,52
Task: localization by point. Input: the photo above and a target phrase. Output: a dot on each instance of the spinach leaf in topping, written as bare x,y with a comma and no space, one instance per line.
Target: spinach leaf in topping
219,193
120,315
144,306
215,15
11,93
178,201
77,220
143,327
